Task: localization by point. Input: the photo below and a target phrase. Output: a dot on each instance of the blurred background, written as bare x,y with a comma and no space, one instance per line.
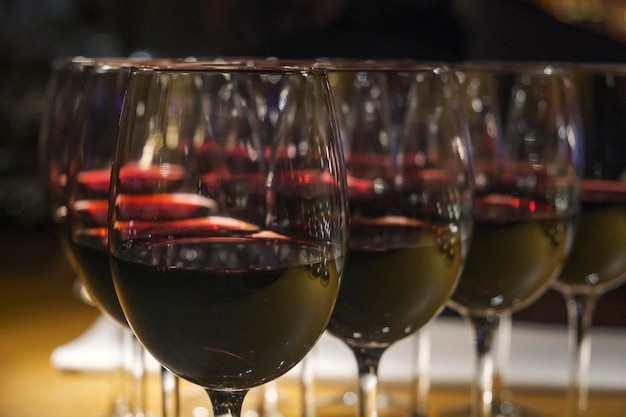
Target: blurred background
35,32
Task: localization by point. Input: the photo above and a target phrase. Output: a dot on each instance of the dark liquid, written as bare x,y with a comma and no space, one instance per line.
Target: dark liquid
92,259
597,261
513,255
227,312
397,277
89,242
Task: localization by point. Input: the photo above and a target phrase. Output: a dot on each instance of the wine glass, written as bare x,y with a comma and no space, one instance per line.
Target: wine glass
91,148
97,119
597,263
65,84
482,89
388,86
226,263
57,133
410,206
526,202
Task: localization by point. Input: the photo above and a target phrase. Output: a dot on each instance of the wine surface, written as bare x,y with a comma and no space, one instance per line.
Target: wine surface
226,312
398,275
597,262
516,250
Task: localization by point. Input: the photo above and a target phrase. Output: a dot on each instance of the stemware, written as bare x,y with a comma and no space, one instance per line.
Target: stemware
526,202
482,91
89,156
410,205
89,168
56,137
64,86
597,263
226,261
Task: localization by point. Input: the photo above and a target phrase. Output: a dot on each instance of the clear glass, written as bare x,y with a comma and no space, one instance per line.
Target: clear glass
527,198
419,402
93,134
411,192
97,112
268,92
65,83
597,263
227,254
482,89
396,87
56,136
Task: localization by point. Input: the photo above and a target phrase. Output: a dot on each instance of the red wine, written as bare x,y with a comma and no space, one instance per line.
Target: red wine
89,243
597,262
398,275
89,240
226,312
92,259
518,246
88,191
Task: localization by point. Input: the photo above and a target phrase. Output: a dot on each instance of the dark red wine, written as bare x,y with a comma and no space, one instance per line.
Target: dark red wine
92,259
89,240
226,312
518,246
597,262
398,275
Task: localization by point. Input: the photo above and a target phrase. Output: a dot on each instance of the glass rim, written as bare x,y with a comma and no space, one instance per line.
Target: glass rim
566,66
597,67
217,67
270,63
279,65
497,66
366,65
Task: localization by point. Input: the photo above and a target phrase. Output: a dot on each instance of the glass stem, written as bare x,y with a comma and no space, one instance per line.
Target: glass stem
485,329
367,362
420,384
169,394
121,406
307,384
227,403
501,366
138,377
580,308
